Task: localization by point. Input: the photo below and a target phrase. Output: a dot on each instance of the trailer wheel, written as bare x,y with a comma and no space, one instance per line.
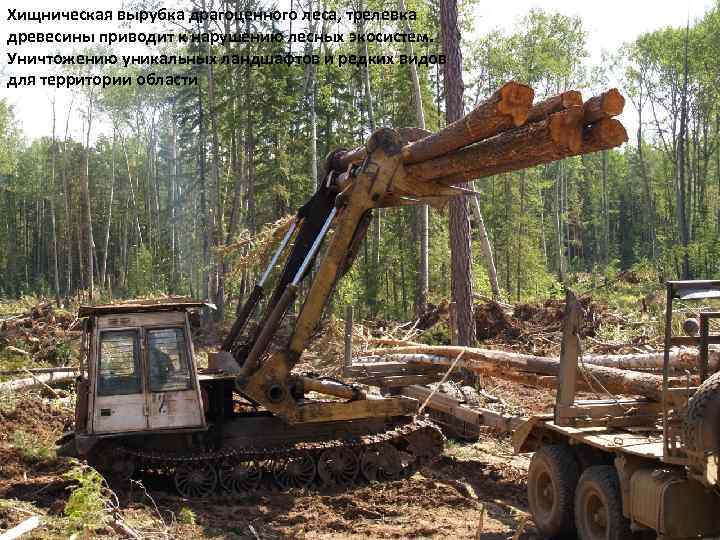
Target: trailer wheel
552,478
701,429
598,506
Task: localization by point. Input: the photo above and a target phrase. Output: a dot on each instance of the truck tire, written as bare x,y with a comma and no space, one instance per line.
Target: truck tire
701,428
598,506
552,478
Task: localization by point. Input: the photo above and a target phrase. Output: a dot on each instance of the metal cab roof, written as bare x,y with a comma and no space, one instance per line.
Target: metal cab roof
143,306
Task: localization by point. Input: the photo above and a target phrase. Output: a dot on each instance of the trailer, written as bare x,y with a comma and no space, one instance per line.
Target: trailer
619,468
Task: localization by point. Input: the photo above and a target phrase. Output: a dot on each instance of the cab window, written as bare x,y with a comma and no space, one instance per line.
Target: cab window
119,369
168,364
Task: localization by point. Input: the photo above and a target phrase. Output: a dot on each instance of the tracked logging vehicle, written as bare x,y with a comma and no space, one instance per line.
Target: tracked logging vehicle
145,405
618,468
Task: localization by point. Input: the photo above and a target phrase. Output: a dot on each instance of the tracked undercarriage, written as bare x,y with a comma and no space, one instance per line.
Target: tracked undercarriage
329,455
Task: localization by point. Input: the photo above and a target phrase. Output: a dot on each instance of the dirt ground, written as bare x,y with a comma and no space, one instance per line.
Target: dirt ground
474,489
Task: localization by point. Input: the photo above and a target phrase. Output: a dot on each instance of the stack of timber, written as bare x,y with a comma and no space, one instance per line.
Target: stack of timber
397,372
507,132
528,368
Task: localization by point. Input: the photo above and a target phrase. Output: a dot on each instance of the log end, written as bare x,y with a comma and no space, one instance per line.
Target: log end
605,134
516,100
566,128
606,105
613,102
571,98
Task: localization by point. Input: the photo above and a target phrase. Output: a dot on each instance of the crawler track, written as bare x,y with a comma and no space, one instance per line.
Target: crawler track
343,462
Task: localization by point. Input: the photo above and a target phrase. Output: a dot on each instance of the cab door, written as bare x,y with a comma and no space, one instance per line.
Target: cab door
119,401
173,397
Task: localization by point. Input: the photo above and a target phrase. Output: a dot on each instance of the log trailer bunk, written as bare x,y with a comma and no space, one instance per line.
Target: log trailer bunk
616,469
144,406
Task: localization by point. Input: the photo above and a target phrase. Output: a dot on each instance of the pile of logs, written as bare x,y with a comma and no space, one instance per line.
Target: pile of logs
601,374
507,132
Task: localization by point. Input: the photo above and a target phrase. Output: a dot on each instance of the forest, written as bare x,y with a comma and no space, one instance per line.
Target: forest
500,362
171,190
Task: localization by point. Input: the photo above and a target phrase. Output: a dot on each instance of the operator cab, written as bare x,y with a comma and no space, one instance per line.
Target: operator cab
141,372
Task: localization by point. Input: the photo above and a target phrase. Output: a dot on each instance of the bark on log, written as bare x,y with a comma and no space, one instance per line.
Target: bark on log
507,108
679,358
541,142
540,111
615,381
606,105
603,135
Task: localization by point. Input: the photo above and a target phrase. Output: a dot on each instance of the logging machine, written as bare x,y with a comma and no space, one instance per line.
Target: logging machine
249,419
620,468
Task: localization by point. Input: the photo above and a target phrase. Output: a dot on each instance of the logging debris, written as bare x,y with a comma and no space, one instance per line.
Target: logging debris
44,332
533,328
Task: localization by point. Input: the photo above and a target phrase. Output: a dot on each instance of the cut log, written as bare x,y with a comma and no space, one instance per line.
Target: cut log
35,371
682,358
603,135
602,379
541,142
38,380
543,109
388,342
606,105
507,108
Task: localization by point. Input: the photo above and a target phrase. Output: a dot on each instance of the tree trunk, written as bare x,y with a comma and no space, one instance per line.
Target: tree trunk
423,212
460,249
680,168
106,246
204,211
87,211
486,247
52,191
216,211
173,200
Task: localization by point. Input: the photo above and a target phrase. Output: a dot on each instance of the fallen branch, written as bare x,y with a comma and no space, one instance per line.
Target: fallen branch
124,529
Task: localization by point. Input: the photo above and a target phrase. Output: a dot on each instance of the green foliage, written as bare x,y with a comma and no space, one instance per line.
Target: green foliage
186,516
141,279
30,447
87,504
601,213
